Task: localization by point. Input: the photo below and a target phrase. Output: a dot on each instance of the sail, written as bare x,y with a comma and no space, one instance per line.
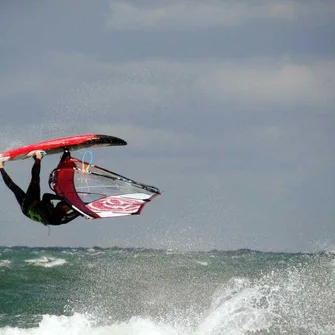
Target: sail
98,193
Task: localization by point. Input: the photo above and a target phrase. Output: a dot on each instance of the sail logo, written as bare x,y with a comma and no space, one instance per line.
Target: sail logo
116,205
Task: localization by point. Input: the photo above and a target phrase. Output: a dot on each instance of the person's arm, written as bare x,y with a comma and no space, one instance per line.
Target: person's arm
18,192
63,214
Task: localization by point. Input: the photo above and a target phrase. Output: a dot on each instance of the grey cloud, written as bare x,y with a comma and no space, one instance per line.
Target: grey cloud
176,14
130,15
90,85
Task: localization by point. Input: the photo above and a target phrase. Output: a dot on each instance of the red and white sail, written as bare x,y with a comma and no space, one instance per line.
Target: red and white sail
99,193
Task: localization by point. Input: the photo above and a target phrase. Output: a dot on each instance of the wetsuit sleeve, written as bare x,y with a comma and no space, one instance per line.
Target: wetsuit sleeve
18,192
63,214
8,181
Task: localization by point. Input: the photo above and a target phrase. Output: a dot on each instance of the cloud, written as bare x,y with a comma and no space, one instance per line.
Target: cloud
28,84
266,83
138,97
195,14
251,82
83,88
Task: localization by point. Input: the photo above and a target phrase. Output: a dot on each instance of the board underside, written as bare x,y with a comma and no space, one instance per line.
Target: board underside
58,145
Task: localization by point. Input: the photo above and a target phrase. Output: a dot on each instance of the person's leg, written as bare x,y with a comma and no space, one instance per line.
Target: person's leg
19,194
33,193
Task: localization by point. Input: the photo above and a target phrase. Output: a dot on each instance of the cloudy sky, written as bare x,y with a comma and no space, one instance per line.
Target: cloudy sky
227,106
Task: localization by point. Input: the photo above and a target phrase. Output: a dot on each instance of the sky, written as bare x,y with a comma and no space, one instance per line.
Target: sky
227,106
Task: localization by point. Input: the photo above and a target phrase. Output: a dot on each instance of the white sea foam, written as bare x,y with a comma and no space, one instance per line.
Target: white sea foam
5,263
68,252
234,311
79,324
97,253
47,262
93,252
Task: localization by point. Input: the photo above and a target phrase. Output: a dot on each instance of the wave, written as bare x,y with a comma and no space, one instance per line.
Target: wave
178,295
47,262
203,263
5,263
277,303
280,302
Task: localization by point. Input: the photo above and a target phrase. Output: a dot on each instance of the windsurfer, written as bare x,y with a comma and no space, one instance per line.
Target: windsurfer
32,206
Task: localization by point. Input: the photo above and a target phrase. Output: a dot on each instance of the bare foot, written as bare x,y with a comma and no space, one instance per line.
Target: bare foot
38,155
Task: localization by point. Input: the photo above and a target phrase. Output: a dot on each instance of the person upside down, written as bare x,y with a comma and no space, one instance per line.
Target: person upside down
32,206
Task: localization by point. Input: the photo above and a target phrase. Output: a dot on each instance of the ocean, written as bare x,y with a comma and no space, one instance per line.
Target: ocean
70,291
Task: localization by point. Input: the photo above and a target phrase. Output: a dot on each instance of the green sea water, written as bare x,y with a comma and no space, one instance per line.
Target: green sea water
140,291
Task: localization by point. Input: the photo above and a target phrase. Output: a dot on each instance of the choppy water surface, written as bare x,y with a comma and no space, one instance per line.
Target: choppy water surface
134,291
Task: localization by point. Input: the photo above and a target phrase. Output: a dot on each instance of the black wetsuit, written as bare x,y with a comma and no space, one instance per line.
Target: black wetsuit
30,202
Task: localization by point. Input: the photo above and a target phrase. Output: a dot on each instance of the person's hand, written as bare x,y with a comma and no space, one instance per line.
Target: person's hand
1,165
